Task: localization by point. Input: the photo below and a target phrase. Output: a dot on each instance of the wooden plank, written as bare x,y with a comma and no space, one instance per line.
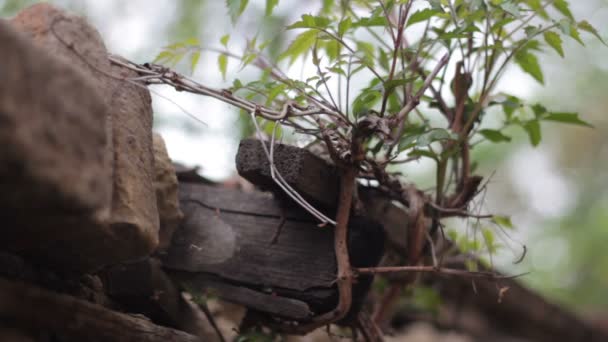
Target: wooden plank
72,319
224,244
310,175
228,233
268,301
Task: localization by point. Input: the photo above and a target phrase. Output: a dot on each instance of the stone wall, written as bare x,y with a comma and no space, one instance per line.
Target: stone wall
78,165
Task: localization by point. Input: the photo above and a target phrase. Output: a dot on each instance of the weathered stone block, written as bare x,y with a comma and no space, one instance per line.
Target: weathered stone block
309,175
165,184
77,162
53,174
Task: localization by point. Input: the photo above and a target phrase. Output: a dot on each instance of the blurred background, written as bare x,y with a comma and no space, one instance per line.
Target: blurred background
556,193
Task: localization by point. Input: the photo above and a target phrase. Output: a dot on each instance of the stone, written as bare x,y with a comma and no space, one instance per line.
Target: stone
166,186
80,140
311,176
54,176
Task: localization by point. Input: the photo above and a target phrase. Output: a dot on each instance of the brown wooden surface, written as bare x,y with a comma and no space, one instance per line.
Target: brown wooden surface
262,300
228,233
224,244
76,320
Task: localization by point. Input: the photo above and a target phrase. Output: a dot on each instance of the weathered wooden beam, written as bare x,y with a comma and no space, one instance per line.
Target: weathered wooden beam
76,320
225,244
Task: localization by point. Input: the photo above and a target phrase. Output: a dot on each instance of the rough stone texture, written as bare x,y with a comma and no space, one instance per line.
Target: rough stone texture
308,174
167,201
53,174
72,125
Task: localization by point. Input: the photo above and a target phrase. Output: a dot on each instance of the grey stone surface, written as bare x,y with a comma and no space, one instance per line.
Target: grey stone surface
76,166
167,200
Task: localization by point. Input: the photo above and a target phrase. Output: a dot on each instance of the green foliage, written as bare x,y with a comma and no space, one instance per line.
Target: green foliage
258,335
236,8
503,221
174,53
426,299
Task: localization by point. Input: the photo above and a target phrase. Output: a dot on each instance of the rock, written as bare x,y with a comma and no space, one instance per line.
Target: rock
77,159
54,177
309,175
167,201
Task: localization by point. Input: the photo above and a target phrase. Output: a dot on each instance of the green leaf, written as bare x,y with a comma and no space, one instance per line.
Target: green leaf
193,41
367,49
421,16
163,57
532,127
270,5
564,26
586,26
407,142
176,58
365,101
224,40
301,44
175,46
537,6
194,60
247,59
494,135
563,8
471,265
510,105
422,153
453,235
488,237
371,21
344,26
392,84
222,61
503,221
309,21
531,31
539,110
570,118
576,35
383,59
426,299
555,41
432,136
511,8
529,64
237,84
435,4
236,8
269,127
